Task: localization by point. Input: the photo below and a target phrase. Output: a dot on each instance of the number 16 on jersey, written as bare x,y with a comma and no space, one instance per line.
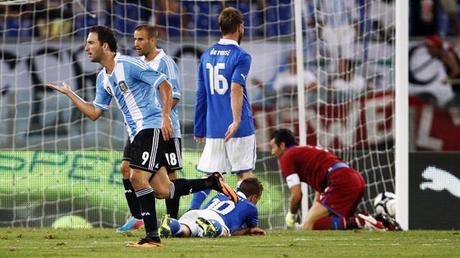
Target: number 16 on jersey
217,82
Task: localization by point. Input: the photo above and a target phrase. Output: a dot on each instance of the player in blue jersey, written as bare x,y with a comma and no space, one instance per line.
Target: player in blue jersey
221,217
134,87
223,116
145,44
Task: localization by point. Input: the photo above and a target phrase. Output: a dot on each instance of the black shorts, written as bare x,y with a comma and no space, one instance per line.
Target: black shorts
150,152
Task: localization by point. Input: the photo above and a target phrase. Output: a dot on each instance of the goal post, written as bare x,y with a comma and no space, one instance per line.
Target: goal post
298,7
402,113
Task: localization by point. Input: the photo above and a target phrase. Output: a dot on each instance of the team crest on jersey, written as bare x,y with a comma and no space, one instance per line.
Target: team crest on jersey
123,86
109,91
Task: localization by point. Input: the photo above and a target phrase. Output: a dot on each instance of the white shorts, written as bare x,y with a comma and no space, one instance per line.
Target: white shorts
236,156
339,42
190,217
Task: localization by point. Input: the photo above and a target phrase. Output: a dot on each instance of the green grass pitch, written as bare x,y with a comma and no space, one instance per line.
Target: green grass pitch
46,242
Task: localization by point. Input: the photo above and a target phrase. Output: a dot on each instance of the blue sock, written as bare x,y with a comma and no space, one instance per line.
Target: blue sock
337,223
175,226
218,226
198,199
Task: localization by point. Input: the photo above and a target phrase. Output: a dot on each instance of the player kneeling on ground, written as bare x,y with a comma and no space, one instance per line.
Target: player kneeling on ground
338,187
221,217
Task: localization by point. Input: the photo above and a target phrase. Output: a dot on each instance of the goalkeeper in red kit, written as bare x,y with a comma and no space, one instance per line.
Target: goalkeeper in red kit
338,187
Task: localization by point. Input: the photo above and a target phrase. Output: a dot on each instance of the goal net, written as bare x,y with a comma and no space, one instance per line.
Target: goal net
354,110
56,163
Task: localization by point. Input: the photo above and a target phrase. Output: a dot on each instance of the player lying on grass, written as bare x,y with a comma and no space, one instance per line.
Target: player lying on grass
338,187
221,217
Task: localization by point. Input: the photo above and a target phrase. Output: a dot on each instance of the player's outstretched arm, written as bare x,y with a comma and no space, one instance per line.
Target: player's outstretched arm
249,231
85,107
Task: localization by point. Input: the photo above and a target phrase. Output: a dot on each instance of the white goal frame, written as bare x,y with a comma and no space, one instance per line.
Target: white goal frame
402,112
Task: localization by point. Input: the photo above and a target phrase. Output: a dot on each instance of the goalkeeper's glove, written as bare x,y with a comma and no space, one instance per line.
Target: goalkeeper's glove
290,219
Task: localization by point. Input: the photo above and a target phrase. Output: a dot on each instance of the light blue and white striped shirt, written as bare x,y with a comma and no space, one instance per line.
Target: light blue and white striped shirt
165,64
132,84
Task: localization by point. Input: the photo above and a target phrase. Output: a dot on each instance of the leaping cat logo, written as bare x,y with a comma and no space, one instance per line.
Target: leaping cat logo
440,180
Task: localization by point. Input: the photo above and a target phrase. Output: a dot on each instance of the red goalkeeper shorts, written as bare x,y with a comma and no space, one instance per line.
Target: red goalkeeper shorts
345,188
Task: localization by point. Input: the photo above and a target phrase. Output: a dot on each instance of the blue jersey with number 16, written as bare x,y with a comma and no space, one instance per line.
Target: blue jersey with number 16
221,65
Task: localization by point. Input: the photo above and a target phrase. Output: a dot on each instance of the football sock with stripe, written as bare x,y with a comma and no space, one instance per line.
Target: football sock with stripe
147,204
133,202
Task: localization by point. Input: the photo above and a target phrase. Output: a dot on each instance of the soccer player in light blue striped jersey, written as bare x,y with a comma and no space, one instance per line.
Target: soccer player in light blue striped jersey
134,86
223,116
145,44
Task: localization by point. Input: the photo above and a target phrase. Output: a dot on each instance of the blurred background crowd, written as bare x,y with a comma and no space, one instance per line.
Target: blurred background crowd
264,18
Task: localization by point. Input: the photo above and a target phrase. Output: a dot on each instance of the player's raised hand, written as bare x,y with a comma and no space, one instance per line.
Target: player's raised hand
232,128
166,128
64,88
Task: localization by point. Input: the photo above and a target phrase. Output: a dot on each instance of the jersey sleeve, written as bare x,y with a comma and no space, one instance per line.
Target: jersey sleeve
242,69
252,220
140,71
103,98
171,70
287,164
151,77
199,129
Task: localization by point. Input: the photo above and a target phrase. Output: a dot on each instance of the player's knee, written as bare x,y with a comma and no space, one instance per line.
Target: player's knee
162,193
172,175
308,225
125,170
